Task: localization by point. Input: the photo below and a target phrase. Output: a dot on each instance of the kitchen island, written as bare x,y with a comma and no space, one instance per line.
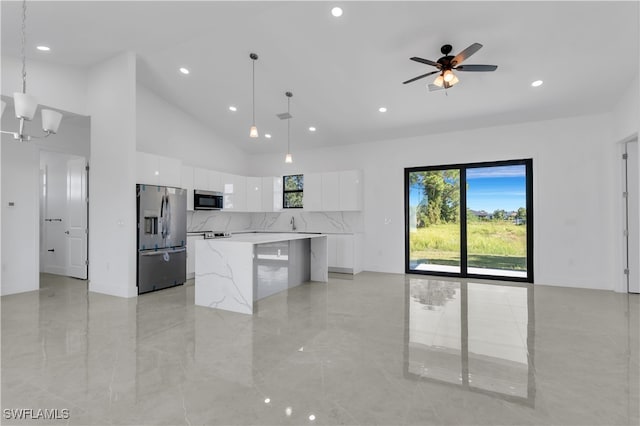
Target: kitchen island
233,273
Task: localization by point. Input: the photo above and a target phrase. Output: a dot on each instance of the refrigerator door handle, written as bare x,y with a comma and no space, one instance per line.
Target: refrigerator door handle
162,252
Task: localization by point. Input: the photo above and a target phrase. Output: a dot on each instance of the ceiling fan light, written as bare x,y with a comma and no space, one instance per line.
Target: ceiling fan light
439,81
454,80
253,132
448,76
51,120
25,106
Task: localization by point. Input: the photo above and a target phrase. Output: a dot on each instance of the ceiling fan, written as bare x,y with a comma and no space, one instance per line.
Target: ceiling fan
447,64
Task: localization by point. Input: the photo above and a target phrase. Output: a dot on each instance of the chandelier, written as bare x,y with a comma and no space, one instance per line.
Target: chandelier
26,105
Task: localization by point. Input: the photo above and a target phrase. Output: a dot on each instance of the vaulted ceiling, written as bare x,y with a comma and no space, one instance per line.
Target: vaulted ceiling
341,70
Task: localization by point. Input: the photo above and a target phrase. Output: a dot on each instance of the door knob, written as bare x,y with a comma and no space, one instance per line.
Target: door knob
66,232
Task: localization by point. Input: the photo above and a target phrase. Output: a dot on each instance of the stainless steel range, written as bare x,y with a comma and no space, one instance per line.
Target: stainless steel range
162,237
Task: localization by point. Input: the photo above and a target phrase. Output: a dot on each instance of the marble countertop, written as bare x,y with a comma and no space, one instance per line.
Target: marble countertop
263,238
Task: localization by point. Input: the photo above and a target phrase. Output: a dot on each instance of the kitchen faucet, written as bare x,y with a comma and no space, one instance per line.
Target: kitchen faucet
293,223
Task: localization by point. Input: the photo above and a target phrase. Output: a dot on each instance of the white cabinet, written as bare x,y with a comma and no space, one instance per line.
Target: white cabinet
254,194
331,191
312,195
278,193
345,253
200,179
235,192
191,254
215,181
186,182
351,190
207,180
154,169
271,194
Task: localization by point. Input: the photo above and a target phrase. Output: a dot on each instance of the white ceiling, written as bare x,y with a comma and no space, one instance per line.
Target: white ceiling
341,70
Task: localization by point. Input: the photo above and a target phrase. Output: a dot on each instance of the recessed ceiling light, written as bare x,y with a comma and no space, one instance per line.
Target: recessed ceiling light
232,108
267,135
336,11
537,83
312,129
43,48
312,417
382,109
184,70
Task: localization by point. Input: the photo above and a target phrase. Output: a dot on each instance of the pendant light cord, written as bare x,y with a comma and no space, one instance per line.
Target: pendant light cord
23,49
289,125
253,78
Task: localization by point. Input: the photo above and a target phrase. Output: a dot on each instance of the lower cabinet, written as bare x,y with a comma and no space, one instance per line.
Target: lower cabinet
191,255
345,253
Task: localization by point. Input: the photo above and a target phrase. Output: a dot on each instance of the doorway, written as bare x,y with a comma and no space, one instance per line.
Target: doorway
631,191
63,214
470,220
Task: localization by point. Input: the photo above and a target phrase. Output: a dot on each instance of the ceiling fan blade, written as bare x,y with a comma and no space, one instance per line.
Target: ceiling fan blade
466,53
426,61
420,76
476,68
433,88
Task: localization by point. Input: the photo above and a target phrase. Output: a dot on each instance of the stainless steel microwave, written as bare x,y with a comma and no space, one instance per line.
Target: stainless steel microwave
207,200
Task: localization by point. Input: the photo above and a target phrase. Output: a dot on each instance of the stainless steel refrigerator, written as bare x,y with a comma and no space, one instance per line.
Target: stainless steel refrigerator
162,237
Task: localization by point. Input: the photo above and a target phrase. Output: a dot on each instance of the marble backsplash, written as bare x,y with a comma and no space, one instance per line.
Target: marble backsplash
329,222
203,220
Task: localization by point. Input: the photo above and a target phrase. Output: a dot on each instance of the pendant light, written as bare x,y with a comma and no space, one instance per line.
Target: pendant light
25,105
288,158
253,132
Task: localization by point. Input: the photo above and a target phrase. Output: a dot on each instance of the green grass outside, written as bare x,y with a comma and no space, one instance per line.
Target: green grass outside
491,244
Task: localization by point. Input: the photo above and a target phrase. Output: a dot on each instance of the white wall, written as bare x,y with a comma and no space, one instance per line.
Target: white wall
20,165
573,224
56,86
164,129
20,247
112,203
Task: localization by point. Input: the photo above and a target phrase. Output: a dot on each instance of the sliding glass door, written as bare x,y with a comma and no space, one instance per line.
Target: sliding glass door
493,238
434,220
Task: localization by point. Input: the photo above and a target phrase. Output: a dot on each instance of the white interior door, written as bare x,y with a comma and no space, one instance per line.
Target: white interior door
76,231
633,217
54,213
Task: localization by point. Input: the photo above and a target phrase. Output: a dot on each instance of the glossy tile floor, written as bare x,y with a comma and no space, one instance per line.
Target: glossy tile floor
377,349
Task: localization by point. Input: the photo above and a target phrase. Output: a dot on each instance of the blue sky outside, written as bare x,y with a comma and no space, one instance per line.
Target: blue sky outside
495,188
489,188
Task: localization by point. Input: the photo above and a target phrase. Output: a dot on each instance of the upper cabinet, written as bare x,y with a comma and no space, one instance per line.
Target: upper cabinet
154,169
271,194
235,192
201,179
254,194
207,180
312,194
333,191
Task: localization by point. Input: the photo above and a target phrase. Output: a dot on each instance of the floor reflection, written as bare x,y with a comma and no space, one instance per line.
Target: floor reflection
479,337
